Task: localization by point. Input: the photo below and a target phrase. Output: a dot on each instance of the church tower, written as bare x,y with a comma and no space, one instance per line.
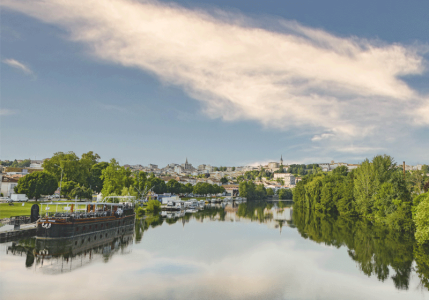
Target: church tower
281,160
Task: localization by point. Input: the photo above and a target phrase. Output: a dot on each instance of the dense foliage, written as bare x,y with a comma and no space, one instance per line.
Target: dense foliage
421,217
36,184
15,164
376,190
285,194
302,169
251,191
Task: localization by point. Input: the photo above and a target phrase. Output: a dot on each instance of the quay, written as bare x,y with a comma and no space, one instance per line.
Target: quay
21,229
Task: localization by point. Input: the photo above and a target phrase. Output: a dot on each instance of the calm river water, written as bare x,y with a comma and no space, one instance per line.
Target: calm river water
252,251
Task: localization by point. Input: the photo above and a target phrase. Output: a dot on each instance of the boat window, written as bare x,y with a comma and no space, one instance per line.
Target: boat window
77,228
96,226
83,227
90,226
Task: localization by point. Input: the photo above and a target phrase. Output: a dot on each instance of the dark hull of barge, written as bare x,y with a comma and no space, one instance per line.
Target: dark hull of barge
57,228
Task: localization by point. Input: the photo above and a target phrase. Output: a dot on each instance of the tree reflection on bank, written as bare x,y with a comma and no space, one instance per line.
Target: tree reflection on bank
377,250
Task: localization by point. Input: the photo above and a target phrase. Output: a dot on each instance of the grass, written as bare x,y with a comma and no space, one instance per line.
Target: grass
7,211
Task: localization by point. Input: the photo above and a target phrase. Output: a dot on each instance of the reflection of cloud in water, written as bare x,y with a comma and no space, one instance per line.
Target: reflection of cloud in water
271,270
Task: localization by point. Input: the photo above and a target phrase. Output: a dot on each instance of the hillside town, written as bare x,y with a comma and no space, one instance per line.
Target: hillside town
273,175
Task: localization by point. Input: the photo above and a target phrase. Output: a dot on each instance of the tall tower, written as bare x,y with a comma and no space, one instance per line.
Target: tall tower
281,160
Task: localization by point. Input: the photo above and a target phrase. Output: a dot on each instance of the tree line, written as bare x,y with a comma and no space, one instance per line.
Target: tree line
377,191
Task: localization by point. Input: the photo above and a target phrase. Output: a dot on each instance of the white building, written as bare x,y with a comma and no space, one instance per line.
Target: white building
288,178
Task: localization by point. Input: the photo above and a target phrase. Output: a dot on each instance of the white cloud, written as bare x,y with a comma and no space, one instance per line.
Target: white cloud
6,112
18,65
322,136
297,77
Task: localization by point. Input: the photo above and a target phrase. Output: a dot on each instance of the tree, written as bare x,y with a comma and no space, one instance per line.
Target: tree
270,192
95,181
421,219
115,178
224,180
173,186
157,185
285,194
233,168
23,164
66,163
67,187
87,161
140,183
153,206
36,184
81,192
341,170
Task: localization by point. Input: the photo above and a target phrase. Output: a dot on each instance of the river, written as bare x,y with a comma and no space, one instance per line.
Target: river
258,250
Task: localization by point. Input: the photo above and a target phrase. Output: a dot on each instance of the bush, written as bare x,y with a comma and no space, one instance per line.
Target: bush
153,206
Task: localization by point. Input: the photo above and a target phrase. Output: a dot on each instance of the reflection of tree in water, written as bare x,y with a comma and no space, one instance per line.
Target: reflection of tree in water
374,248
421,255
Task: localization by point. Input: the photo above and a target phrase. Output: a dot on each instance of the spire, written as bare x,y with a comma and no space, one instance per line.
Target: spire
186,160
281,159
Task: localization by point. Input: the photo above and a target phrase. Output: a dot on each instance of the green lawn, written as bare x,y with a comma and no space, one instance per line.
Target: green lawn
7,211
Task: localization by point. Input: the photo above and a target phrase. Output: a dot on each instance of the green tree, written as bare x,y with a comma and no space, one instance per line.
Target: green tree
224,180
36,184
66,163
81,192
173,186
341,170
67,187
153,206
157,185
270,192
421,218
23,164
95,181
86,163
115,178
285,194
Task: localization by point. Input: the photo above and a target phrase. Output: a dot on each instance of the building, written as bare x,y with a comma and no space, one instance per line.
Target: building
201,167
8,183
273,165
152,166
288,178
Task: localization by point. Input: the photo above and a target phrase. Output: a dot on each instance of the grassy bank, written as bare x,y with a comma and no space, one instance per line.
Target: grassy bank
18,209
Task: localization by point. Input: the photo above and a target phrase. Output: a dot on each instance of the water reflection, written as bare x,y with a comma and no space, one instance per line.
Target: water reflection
240,258
53,256
377,250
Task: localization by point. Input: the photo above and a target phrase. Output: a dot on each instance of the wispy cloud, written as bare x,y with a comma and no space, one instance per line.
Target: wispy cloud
18,65
322,136
112,107
6,112
295,77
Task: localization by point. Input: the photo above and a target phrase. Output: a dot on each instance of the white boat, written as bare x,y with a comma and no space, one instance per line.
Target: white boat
191,210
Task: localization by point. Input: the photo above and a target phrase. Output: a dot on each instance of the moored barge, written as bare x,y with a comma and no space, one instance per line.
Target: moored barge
83,218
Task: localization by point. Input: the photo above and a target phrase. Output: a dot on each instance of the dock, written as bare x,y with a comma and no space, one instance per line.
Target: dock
21,228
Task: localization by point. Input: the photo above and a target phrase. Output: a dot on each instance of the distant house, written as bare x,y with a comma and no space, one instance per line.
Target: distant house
8,183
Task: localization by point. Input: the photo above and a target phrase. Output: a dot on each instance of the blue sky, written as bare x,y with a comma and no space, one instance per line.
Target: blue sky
219,82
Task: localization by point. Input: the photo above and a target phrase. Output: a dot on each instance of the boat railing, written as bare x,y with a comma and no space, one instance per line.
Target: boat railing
78,215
